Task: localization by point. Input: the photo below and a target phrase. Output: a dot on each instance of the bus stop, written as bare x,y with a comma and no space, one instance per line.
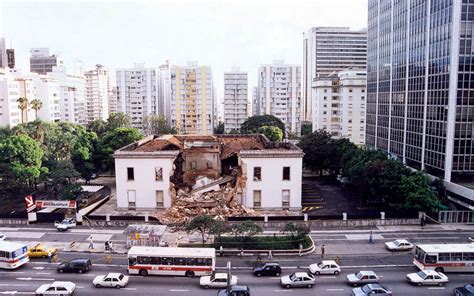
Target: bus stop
144,235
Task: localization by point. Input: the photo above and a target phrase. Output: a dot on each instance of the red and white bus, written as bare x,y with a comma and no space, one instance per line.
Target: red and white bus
13,255
445,257
171,261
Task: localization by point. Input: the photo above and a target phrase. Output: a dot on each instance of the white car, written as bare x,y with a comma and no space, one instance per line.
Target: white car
325,267
65,224
399,245
298,280
2,237
362,277
427,277
111,280
56,288
217,280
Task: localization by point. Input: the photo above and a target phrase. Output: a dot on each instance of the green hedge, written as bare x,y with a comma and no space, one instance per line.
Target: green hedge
256,243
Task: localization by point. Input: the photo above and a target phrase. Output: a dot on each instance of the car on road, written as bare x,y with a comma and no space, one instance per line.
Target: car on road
111,280
325,267
235,291
56,288
3,237
41,251
399,245
297,280
217,280
66,224
371,289
427,277
362,277
466,290
267,269
78,265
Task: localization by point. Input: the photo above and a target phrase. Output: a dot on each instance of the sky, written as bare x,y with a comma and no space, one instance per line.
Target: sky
222,34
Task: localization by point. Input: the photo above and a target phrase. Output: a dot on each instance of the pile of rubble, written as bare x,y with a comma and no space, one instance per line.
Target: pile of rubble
191,203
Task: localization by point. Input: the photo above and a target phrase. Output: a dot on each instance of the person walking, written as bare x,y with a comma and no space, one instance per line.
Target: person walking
111,246
422,221
301,250
371,241
91,244
241,252
221,251
270,255
49,257
322,251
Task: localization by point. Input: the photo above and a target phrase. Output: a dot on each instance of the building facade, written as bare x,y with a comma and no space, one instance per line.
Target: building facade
279,94
326,52
420,106
113,100
97,93
155,172
339,105
3,54
41,62
192,99
235,100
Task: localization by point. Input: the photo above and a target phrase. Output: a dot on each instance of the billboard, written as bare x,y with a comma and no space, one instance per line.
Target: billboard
62,204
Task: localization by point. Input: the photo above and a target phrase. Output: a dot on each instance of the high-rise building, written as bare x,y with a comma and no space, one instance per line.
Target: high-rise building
255,105
71,94
420,98
279,93
164,95
339,105
42,62
326,52
235,100
11,58
97,93
113,100
3,54
192,99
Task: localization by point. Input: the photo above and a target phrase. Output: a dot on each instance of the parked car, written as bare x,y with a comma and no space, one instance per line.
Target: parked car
41,251
466,290
371,289
78,265
3,236
325,267
235,291
56,288
427,277
297,280
267,269
362,277
217,280
111,280
65,224
399,245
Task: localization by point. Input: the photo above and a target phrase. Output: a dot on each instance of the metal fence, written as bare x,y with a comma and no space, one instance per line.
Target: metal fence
456,217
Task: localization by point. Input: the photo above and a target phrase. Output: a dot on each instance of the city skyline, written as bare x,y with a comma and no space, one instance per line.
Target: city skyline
266,31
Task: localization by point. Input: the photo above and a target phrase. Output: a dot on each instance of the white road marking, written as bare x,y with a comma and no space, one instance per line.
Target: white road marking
334,290
80,287
436,288
15,272
177,290
327,277
43,273
34,279
130,289
88,274
289,290
38,267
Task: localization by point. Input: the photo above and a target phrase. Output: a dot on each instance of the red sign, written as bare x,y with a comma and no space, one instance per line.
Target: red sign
30,203
64,204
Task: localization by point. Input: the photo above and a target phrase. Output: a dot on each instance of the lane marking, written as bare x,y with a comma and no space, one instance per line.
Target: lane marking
335,290
12,272
130,289
43,273
34,279
327,277
437,288
178,290
289,290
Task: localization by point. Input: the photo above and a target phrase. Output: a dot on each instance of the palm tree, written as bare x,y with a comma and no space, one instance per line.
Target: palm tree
36,104
23,106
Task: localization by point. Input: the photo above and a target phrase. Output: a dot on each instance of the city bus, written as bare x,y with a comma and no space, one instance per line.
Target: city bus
13,255
171,261
445,257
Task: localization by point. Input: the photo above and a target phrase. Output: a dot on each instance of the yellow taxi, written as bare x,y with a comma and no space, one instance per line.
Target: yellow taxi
41,251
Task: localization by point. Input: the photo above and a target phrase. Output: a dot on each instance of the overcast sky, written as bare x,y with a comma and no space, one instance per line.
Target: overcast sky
221,34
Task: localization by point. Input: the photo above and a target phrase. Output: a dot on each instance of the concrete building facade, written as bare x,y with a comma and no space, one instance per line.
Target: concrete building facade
97,93
235,100
41,62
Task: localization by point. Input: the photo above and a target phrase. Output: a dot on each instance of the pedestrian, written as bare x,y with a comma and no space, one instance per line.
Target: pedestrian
371,241
111,247
241,252
422,221
49,257
322,251
221,251
301,250
91,244
270,255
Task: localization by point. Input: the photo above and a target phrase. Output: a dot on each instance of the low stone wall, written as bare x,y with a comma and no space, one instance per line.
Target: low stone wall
13,221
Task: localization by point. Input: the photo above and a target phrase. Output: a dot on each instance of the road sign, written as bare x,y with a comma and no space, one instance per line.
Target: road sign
63,204
30,203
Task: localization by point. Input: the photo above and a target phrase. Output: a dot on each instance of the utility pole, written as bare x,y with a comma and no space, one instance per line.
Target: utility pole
228,278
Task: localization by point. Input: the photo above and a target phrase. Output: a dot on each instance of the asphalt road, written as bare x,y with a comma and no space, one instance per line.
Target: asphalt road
27,279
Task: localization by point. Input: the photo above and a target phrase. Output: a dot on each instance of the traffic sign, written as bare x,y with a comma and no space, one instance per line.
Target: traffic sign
30,203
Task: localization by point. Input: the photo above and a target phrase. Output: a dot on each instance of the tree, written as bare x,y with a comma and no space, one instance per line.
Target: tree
273,133
296,230
252,124
156,125
306,128
83,155
97,126
317,149
63,178
234,132
36,105
202,224
118,120
418,192
23,106
219,129
247,229
219,228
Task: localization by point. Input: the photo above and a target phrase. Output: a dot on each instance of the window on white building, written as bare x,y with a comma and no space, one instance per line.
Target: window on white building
130,174
158,174
131,198
159,199
257,174
257,198
286,173
285,199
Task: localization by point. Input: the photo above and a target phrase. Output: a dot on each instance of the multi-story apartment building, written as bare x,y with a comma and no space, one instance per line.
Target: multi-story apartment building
279,91
164,88
42,62
9,93
97,93
3,54
235,100
72,95
255,106
326,52
48,91
192,99
420,103
113,100
339,105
